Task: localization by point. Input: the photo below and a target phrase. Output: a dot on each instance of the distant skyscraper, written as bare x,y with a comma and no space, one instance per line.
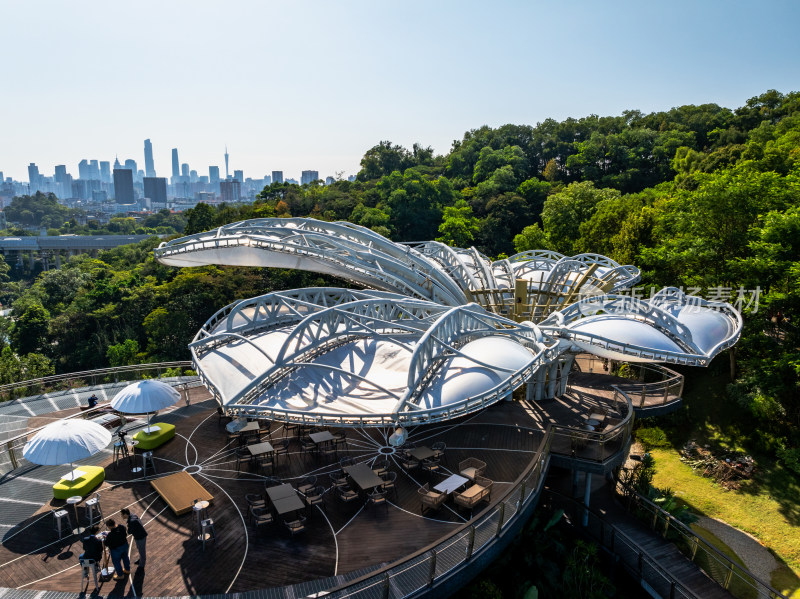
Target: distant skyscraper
131,166
155,188
34,177
116,163
123,186
230,191
149,167
61,173
238,176
193,176
83,170
105,171
309,177
227,174
176,167
185,170
94,170
213,174
267,179
277,176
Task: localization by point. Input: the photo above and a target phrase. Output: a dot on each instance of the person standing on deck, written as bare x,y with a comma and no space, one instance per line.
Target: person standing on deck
117,543
139,534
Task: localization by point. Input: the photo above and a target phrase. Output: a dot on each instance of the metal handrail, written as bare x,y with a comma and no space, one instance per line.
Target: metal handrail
669,389
580,439
55,378
696,541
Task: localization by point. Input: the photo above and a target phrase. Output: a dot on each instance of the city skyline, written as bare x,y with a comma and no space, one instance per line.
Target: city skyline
331,80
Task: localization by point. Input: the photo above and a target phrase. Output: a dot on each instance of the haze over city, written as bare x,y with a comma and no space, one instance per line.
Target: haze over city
312,85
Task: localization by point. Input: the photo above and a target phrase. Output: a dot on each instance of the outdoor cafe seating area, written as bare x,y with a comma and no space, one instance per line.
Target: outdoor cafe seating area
320,501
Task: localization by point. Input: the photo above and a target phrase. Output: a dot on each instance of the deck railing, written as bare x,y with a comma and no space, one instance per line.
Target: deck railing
654,386
739,581
423,569
59,382
596,446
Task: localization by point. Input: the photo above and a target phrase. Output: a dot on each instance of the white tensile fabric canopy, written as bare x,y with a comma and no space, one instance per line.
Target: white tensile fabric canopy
66,441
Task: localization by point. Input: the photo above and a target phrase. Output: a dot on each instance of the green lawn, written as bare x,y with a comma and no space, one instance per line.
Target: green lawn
768,506
755,511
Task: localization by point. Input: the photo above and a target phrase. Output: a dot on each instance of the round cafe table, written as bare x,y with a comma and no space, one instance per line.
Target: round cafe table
74,501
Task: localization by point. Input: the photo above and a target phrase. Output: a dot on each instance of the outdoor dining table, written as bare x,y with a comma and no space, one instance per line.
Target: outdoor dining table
421,453
322,437
285,499
451,483
363,476
257,449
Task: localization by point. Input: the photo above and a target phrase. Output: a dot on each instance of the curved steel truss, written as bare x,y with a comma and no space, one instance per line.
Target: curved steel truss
444,332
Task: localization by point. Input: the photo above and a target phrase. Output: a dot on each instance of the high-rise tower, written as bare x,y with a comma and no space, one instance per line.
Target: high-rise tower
176,166
149,167
227,174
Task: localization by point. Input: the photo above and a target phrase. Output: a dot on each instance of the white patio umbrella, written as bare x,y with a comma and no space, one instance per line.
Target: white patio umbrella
66,441
143,397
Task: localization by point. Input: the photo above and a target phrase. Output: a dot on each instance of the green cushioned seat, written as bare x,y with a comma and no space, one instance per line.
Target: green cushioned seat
155,439
82,486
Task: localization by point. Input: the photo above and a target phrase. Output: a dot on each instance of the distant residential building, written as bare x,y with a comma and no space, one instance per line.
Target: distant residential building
149,166
238,176
155,188
205,197
292,181
277,176
267,180
230,191
351,178
329,180
123,186
176,168
99,196
308,177
105,171
213,174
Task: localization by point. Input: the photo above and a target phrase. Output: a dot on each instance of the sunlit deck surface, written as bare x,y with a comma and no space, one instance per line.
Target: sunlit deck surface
343,539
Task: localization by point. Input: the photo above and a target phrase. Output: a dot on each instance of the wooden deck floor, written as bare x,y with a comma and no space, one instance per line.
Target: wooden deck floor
340,539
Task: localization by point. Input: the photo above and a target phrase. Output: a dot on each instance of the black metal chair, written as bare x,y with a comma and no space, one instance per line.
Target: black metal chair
438,451
378,497
260,516
282,448
307,484
339,478
346,494
296,526
389,479
314,497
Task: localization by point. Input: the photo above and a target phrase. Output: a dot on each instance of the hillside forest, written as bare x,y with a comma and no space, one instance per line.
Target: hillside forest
703,197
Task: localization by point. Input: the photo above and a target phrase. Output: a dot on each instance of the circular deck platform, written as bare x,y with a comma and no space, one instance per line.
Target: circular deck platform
341,540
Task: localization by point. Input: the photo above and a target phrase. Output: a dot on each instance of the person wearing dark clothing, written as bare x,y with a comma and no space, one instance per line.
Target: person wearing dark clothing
117,543
92,546
93,401
136,529
92,550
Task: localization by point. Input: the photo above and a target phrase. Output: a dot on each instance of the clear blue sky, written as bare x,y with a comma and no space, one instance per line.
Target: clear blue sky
312,85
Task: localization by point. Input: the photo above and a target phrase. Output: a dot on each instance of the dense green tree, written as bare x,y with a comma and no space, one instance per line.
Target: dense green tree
200,218
565,210
459,227
29,333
